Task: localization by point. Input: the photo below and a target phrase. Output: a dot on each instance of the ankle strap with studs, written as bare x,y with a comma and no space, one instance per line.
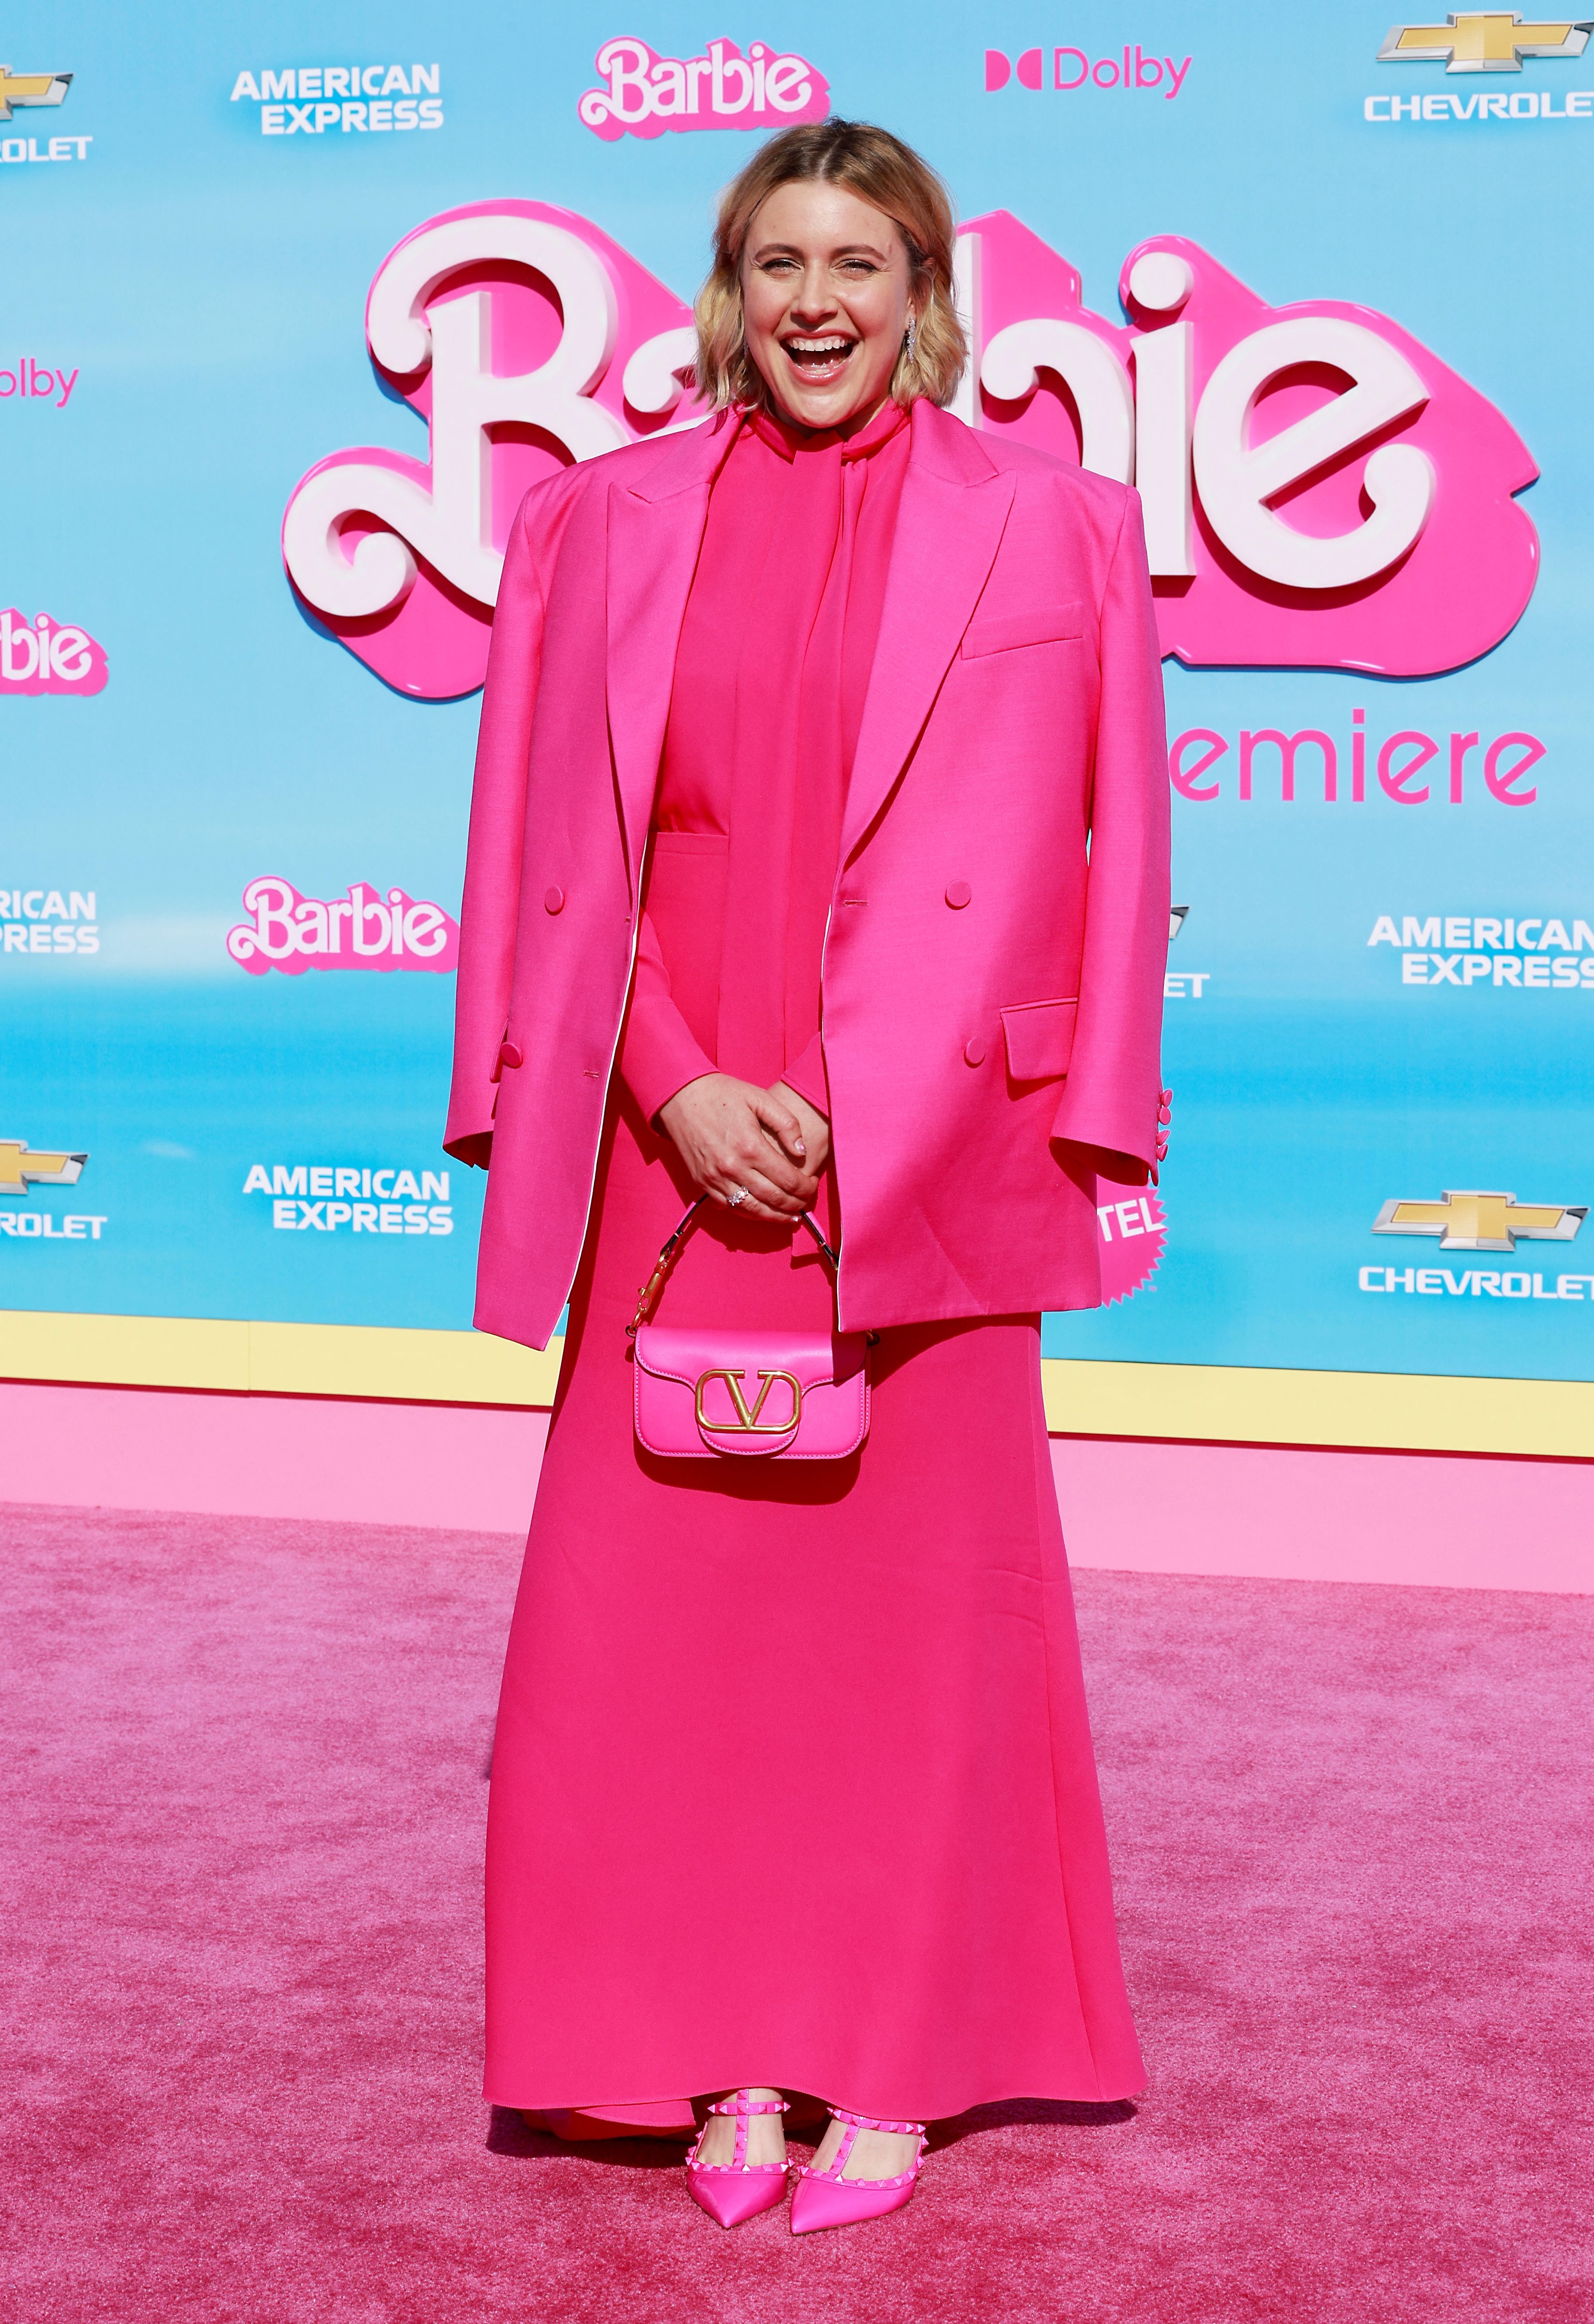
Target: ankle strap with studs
739,2107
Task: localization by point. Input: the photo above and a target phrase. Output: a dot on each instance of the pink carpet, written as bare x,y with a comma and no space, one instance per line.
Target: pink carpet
1351,1827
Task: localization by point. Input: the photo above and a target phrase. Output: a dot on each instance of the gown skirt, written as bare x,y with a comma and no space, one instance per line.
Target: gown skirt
793,1780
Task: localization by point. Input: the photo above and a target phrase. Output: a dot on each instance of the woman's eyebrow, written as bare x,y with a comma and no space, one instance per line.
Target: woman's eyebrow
842,250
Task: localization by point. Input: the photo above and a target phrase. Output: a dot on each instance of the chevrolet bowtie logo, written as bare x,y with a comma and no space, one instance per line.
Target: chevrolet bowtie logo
20,1168
30,88
1470,1220
1489,39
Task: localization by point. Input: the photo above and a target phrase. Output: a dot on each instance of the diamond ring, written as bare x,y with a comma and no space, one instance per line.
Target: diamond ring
739,1195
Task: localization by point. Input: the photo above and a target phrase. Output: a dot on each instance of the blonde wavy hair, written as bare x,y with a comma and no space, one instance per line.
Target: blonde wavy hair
882,170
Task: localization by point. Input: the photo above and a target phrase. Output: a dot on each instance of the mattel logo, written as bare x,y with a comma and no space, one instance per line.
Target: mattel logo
646,94
33,381
293,932
1132,1231
48,657
1072,69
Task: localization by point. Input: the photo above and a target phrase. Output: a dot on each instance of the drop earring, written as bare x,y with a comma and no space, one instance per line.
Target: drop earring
910,337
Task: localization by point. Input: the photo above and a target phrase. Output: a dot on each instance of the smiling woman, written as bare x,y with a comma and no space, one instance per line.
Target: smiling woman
796,725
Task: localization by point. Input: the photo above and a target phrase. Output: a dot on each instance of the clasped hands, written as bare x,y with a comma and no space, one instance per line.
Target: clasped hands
770,1143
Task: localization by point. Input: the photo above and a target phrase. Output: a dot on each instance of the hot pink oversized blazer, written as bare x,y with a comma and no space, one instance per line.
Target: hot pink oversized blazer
993,964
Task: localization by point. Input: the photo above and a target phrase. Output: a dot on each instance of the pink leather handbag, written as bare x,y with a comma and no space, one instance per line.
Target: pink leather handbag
770,1395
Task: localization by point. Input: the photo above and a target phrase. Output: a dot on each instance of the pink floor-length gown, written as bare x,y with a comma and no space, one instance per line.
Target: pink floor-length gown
793,1780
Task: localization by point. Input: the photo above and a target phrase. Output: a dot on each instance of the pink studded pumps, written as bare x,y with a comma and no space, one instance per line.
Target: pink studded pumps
733,2192
825,2198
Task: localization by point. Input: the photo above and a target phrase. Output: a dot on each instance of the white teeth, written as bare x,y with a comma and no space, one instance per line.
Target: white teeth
819,346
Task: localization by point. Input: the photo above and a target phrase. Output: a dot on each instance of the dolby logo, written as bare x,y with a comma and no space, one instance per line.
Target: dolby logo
33,382
1132,70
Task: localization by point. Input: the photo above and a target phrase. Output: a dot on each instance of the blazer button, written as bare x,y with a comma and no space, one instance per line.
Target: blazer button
974,1051
512,1053
554,900
958,894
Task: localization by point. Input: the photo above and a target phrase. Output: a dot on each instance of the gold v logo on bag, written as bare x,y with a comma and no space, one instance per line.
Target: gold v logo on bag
746,1423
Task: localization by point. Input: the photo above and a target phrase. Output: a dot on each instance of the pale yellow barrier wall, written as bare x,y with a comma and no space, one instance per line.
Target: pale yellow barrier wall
1195,1402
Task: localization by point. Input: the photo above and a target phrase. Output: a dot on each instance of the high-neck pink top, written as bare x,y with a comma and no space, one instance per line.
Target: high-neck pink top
771,672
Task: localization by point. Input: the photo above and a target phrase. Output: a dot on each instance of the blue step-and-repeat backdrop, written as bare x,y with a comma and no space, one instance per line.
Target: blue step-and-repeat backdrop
301,299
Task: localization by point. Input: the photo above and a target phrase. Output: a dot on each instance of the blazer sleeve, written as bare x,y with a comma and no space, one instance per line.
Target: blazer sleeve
1113,1092
659,1055
490,911
808,1076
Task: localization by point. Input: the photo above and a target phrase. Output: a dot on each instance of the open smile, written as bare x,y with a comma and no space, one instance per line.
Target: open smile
819,359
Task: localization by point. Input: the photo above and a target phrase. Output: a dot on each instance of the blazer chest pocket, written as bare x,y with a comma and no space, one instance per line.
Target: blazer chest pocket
1039,1036
1040,626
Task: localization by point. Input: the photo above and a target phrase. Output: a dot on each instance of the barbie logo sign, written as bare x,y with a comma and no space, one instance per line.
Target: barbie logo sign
293,932
1321,490
647,95
46,657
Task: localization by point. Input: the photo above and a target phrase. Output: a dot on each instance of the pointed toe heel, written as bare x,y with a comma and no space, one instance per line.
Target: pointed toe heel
825,2198
739,2189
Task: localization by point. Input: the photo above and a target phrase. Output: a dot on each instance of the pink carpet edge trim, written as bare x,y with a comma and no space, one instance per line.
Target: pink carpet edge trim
1129,1504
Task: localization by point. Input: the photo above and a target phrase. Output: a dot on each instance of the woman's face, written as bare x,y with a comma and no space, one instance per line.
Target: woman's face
826,292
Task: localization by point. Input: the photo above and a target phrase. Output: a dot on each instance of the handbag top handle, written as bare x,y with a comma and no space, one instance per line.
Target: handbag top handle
649,1297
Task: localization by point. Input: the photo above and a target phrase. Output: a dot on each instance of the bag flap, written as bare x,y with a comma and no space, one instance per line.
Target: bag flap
814,1358
1040,1039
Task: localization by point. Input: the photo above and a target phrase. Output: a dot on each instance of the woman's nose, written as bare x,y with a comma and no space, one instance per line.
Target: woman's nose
813,295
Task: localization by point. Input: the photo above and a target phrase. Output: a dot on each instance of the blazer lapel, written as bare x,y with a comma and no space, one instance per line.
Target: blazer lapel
655,531
949,524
